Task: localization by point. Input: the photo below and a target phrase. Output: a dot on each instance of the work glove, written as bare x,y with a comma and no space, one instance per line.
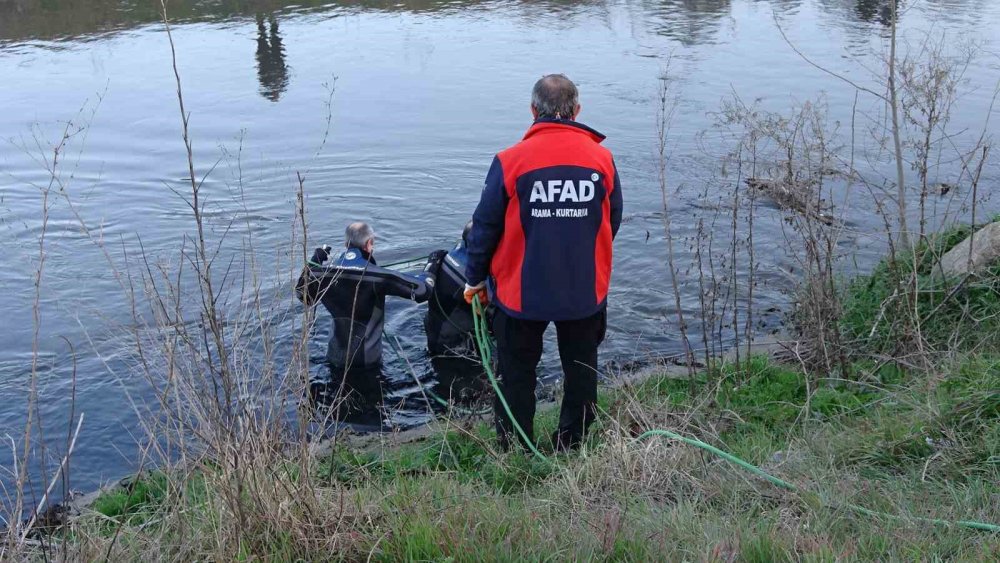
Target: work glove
320,255
472,291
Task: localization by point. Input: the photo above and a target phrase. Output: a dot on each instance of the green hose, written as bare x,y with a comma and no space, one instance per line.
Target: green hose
786,485
483,341
724,455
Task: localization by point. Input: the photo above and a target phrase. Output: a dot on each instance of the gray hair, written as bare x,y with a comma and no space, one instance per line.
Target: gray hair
358,234
555,97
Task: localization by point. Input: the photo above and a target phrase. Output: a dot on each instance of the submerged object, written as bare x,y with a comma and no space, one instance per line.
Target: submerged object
795,196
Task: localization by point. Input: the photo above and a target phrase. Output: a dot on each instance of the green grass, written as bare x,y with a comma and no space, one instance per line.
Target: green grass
854,444
453,497
966,320
140,493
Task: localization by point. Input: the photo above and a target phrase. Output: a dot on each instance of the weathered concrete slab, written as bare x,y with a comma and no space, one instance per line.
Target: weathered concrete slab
974,254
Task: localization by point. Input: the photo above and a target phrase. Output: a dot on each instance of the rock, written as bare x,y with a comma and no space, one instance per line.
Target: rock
985,247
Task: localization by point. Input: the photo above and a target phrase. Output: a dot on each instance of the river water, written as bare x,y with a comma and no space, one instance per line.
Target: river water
423,94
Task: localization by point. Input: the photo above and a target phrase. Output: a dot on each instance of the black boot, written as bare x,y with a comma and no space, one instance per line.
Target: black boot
566,441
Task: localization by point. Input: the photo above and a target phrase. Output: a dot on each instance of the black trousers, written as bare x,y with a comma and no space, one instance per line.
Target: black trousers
519,349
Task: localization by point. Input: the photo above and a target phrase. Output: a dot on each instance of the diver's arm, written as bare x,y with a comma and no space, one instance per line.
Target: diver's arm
617,204
418,287
305,289
487,225
314,280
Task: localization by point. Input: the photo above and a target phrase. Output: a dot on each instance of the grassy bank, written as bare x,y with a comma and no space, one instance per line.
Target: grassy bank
901,445
949,314
908,443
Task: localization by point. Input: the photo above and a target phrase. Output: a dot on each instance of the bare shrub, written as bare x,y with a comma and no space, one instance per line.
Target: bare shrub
228,426
919,79
790,161
23,500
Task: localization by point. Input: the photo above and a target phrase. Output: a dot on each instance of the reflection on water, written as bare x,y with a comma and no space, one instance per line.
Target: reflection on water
271,69
689,21
64,19
876,10
880,11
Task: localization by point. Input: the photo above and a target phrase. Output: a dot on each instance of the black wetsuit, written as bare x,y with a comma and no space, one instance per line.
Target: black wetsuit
448,323
353,289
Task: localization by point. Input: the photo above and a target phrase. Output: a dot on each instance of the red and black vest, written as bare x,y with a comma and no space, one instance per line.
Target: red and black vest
545,222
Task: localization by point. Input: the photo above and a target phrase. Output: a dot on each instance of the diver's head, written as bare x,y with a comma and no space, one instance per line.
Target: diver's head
465,232
555,97
361,236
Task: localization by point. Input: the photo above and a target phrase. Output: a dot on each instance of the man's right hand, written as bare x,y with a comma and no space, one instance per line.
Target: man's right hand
320,255
478,290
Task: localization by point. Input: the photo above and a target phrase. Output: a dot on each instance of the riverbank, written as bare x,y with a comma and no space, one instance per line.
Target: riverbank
888,456
911,447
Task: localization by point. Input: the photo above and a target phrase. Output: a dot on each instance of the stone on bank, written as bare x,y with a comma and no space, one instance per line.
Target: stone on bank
977,252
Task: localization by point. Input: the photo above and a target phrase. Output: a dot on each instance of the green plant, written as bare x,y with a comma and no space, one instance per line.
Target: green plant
953,314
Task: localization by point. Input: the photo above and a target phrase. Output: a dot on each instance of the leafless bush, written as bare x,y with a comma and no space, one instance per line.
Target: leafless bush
918,81
667,105
790,161
228,424
204,342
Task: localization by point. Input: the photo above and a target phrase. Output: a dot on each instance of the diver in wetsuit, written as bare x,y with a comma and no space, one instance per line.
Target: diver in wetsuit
353,289
448,323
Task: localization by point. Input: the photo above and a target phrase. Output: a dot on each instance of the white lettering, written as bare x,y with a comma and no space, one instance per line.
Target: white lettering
554,189
562,191
570,212
541,212
569,192
537,193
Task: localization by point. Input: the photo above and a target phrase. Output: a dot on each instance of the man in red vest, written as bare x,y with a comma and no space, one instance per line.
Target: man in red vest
540,250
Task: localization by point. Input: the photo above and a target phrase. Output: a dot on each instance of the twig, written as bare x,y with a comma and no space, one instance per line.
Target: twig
819,67
55,478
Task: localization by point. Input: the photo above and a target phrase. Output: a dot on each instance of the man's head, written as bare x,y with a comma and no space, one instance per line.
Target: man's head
555,97
361,236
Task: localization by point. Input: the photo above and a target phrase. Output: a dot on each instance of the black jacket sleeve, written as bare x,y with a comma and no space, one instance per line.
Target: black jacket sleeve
418,288
311,286
617,204
313,281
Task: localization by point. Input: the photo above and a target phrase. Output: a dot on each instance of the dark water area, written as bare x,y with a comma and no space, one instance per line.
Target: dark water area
423,94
